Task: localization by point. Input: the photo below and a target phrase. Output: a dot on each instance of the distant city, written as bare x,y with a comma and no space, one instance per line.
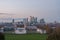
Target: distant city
27,25
2,20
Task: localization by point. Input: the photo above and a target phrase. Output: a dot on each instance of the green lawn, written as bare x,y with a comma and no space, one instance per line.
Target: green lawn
25,37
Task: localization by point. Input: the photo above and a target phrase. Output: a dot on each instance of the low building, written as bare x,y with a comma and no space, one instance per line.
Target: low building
41,31
9,29
1,28
20,31
31,29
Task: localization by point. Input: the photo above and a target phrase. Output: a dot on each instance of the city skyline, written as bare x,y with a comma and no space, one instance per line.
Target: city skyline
47,9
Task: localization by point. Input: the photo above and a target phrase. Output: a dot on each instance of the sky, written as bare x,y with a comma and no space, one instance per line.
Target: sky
47,9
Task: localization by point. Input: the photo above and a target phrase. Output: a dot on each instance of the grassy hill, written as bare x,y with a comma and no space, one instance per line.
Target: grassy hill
25,37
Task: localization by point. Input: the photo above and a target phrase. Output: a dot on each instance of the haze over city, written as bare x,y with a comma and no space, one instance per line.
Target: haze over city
47,9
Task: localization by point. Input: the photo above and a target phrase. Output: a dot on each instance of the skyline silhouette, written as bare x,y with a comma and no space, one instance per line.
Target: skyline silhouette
47,9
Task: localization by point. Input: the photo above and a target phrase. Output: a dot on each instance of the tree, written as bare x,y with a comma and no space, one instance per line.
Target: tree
48,29
55,35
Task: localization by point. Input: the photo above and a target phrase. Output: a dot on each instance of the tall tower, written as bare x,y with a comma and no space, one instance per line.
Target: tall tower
25,21
33,20
42,21
13,21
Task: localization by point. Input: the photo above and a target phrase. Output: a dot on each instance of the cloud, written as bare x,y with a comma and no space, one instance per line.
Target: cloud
1,13
5,14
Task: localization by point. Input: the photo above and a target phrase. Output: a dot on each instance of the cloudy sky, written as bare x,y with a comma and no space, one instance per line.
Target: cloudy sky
47,9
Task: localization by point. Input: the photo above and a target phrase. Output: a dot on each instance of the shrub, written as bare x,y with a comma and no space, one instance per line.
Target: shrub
55,35
2,36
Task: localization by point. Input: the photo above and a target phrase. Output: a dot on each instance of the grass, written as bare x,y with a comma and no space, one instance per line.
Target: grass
25,37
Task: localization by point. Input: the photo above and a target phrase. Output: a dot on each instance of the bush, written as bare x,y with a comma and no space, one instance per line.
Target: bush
2,36
55,35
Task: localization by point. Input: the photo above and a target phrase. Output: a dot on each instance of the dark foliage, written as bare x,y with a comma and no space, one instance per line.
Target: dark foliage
55,35
2,36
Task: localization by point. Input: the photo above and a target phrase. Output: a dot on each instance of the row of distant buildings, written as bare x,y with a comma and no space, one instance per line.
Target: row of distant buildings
26,26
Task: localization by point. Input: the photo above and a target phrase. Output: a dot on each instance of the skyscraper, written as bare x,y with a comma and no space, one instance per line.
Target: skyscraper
33,20
13,21
42,21
25,21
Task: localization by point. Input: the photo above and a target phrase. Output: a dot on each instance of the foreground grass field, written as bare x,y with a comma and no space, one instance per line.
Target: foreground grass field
25,37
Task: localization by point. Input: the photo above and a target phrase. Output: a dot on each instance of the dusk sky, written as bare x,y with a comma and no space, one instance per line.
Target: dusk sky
47,9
